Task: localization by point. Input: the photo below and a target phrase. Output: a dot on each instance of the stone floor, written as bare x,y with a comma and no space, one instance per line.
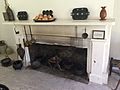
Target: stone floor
113,79
26,79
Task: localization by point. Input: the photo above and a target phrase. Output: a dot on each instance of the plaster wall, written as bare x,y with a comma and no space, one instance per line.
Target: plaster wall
6,32
115,39
62,9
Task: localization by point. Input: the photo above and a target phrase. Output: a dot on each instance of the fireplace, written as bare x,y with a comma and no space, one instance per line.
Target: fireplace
97,49
64,61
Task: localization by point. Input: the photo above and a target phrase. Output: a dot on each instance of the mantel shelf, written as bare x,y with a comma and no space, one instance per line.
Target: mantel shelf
65,22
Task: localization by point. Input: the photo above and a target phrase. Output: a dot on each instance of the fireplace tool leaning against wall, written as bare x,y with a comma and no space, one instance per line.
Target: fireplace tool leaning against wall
23,53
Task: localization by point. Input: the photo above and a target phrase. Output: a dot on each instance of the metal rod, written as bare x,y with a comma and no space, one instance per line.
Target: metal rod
24,49
85,29
76,34
25,33
55,35
30,31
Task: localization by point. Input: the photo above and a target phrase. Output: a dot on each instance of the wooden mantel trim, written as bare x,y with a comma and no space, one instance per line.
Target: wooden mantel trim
65,22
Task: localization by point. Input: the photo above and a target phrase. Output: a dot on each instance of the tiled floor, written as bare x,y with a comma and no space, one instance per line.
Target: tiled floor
35,80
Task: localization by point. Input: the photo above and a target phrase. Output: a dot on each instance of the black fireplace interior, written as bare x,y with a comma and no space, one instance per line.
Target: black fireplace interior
64,61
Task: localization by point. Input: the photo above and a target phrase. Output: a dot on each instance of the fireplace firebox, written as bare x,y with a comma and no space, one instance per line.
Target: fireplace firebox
64,61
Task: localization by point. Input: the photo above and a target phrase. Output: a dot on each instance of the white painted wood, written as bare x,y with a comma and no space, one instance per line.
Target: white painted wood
65,22
98,49
100,58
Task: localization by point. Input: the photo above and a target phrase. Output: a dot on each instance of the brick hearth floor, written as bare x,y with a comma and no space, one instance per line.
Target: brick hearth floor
35,80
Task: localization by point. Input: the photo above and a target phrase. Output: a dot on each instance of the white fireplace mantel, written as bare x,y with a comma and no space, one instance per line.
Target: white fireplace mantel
65,22
98,50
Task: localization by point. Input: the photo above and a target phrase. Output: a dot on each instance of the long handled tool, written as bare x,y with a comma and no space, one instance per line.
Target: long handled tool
27,42
32,39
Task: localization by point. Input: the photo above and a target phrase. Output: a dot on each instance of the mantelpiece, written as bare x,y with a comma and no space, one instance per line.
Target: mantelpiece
65,22
98,50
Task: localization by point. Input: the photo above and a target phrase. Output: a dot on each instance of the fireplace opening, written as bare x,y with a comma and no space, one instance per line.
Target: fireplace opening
64,61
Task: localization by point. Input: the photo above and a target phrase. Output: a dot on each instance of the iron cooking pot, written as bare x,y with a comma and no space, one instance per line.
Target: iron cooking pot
3,87
85,35
17,65
6,62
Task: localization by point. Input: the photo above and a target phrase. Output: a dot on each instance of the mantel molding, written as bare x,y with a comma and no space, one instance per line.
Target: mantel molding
65,22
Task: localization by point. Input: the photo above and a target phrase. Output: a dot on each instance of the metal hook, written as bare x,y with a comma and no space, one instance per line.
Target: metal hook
16,32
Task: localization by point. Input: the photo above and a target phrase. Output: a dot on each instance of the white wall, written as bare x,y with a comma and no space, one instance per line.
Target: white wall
6,32
115,40
62,9
1,8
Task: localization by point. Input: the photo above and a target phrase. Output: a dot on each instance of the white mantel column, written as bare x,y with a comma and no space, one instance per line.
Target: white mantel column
98,49
100,58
